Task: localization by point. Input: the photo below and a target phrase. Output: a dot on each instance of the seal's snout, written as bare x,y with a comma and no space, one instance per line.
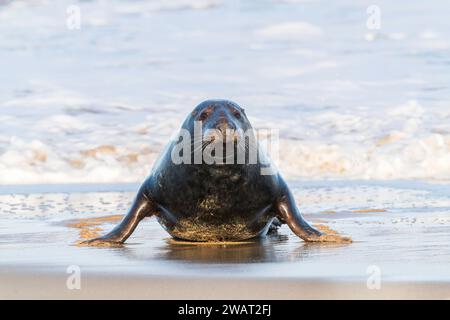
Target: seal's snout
225,125
221,135
221,120
226,129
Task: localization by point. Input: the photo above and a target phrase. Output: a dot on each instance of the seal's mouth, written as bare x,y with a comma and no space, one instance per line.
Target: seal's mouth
231,139
222,136
232,150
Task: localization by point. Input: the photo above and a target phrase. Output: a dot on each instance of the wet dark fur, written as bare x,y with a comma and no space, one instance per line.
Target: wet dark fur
213,202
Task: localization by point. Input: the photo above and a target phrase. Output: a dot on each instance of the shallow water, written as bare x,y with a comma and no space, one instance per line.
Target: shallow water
97,105
401,228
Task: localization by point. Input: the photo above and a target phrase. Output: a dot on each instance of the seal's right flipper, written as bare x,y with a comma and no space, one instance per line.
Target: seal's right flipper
142,207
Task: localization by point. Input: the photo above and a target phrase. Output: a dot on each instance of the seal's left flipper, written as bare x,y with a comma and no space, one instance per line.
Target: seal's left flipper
142,207
289,214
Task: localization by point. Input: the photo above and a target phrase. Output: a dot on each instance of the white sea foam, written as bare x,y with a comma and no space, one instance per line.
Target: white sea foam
291,30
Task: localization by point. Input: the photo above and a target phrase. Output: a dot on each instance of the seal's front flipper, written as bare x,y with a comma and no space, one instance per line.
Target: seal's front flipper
142,207
289,214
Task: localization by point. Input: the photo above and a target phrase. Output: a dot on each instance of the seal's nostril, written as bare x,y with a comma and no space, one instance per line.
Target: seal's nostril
222,126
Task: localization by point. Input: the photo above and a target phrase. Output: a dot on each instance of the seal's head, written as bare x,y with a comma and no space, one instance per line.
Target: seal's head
221,120
220,131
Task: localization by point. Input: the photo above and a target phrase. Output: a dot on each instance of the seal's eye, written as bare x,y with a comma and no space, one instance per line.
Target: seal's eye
237,114
203,116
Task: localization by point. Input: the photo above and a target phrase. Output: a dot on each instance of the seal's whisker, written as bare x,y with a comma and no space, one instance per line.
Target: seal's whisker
199,147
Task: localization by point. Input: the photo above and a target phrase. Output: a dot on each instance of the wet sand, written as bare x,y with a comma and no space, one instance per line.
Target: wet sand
400,237
32,285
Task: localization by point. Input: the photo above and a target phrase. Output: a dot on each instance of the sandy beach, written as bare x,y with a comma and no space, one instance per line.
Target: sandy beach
400,248
35,285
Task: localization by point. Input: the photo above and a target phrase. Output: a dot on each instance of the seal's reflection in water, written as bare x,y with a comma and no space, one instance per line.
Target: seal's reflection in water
258,250
273,248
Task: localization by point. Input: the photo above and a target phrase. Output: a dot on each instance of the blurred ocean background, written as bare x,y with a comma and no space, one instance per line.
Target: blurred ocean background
98,104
